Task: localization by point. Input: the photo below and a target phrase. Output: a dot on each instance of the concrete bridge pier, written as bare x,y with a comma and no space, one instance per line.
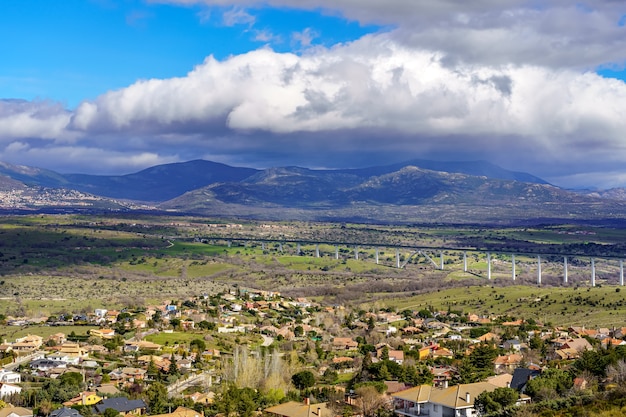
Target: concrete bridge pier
317,251
464,261
229,243
356,253
621,272
263,245
280,247
565,274
397,258
441,260
593,272
489,265
513,267
299,249
376,256
336,252
538,269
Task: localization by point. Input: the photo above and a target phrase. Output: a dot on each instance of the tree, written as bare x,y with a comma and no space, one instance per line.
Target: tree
198,344
207,325
173,369
413,375
156,397
153,371
330,376
73,379
617,373
303,379
550,384
384,355
425,314
241,401
467,373
496,400
110,412
383,372
45,407
369,401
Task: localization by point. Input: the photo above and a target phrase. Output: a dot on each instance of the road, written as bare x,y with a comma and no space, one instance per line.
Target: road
178,387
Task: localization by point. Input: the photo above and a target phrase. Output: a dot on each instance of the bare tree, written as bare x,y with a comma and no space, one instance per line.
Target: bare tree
370,401
617,373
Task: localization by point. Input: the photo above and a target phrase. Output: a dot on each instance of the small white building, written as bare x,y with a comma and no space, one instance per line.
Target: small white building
10,377
7,390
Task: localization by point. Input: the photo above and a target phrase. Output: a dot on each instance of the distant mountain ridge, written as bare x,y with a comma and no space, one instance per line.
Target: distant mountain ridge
164,182
414,191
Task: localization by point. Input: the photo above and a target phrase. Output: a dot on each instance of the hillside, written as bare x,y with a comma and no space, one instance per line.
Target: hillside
400,193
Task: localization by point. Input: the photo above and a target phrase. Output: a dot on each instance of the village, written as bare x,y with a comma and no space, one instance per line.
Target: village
246,352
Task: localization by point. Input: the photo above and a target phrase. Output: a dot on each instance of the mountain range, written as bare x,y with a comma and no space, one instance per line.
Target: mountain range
413,191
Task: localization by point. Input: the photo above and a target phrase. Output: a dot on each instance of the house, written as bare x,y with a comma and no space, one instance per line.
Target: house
107,390
122,405
74,352
581,383
59,357
211,353
46,364
521,376
141,345
29,343
425,400
102,333
65,412
613,342
187,324
441,352
6,390
181,412
488,337
296,409
512,344
128,373
58,338
396,356
565,354
344,343
84,398
580,344
16,412
442,375
202,398
391,387
506,363
10,377
501,381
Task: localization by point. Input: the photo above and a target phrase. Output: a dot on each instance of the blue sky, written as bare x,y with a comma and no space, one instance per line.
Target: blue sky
74,50
115,86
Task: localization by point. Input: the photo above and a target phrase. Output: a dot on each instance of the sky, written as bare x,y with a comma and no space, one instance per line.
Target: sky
116,86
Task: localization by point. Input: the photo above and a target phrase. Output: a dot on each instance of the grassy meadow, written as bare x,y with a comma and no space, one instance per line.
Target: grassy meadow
56,264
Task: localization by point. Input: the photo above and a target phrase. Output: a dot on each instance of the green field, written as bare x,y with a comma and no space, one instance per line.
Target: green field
14,332
58,264
591,307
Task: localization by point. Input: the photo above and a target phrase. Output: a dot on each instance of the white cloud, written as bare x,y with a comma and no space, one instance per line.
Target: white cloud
80,159
36,119
237,16
372,83
555,33
266,36
502,83
304,38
